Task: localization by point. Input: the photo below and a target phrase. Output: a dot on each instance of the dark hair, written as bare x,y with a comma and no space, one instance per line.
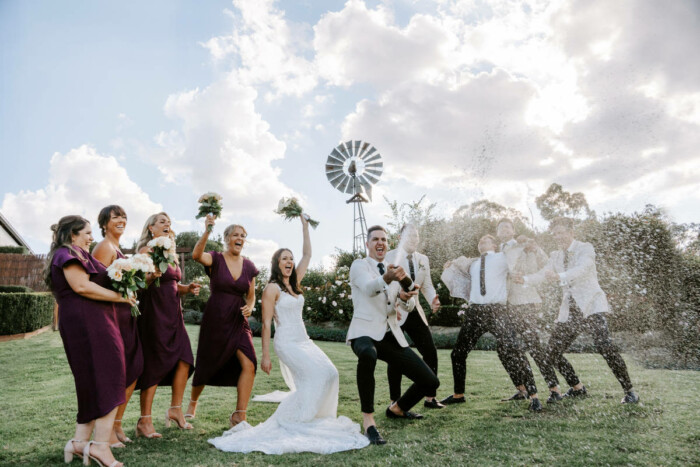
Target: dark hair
276,276
106,214
63,236
506,220
565,222
492,238
373,228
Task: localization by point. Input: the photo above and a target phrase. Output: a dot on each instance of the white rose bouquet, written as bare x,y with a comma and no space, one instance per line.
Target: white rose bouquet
129,275
209,203
290,208
163,253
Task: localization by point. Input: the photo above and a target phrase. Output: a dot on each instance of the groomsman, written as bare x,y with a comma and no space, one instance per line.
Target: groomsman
487,313
582,309
375,334
525,257
415,324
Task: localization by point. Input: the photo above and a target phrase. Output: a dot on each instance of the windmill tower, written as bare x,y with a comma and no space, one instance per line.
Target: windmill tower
353,167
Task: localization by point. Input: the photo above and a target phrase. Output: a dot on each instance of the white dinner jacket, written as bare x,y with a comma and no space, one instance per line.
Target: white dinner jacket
579,281
422,271
374,303
522,262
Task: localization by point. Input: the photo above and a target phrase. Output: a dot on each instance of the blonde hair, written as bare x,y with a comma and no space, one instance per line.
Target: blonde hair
229,230
147,236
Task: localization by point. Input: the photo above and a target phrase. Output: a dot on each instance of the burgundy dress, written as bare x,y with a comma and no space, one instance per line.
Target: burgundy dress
224,329
164,339
128,328
90,336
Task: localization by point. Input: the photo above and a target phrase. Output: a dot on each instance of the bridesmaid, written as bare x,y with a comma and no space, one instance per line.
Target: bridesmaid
167,354
225,353
112,221
90,335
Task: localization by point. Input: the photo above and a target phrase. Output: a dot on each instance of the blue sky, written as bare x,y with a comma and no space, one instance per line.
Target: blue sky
149,104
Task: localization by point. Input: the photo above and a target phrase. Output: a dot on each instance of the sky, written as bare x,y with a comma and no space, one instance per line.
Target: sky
150,104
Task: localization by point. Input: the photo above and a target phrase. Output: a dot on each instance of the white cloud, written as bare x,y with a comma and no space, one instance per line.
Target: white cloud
82,181
260,251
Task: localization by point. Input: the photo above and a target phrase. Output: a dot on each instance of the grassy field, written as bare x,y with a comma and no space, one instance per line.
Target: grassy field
37,414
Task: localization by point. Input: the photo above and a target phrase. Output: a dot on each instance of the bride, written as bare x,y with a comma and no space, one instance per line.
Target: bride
305,420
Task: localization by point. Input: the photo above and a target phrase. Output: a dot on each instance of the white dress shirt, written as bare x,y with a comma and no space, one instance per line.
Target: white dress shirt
496,278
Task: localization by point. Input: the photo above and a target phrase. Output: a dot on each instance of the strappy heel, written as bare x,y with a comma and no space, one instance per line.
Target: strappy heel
87,457
69,450
186,426
191,415
230,418
126,439
140,433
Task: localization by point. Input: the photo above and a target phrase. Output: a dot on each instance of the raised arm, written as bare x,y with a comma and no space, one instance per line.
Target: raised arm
306,252
269,297
79,281
198,253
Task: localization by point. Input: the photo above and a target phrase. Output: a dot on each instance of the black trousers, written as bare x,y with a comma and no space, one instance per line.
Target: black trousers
403,359
521,318
564,335
480,319
419,332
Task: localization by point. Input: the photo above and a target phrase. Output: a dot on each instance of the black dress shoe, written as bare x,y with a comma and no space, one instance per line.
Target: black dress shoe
630,398
574,393
451,399
518,396
433,404
373,435
406,415
554,397
535,405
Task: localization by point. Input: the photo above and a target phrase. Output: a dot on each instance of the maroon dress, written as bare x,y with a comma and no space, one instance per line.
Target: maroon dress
128,328
90,336
224,329
164,339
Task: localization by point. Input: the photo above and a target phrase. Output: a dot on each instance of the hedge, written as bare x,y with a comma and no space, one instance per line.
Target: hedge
25,312
14,249
15,289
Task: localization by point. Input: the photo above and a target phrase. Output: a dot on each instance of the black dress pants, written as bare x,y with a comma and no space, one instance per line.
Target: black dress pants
419,332
521,318
478,320
564,335
403,359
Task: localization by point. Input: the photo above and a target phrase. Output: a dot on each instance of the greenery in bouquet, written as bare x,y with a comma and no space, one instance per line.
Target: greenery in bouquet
290,208
128,275
209,203
163,253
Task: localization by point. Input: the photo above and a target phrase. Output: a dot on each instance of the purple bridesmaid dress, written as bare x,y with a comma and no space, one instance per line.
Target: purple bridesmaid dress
128,328
164,339
90,336
224,329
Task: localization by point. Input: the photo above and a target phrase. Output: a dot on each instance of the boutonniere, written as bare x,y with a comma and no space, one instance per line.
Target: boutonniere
421,266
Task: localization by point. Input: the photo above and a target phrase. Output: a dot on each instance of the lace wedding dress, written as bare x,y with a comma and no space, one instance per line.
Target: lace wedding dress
305,420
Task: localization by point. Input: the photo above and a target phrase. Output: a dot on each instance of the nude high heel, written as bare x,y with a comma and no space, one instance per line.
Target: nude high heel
140,433
87,457
69,450
190,415
186,426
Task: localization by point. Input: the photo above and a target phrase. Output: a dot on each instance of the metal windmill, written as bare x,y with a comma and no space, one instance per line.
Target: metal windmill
353,167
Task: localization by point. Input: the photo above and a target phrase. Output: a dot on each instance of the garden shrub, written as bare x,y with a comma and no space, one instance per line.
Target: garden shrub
25,312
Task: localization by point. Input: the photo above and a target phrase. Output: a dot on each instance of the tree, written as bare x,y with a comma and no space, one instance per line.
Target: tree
555,202
490,210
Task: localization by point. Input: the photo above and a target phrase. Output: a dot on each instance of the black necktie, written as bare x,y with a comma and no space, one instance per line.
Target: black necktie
482,275
566,260
381,268
410,267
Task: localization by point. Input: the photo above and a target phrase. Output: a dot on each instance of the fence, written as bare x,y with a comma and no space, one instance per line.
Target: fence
25,270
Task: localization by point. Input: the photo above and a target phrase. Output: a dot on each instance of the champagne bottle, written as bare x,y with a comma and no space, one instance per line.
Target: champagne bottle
407,284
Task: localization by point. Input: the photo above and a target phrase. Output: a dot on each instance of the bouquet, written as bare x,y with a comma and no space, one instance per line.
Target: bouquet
209,204
290,208
129,274
163,253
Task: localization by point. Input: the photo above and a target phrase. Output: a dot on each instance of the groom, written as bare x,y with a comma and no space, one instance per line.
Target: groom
375,334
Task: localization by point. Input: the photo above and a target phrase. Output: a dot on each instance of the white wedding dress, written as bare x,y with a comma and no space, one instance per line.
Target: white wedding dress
305,420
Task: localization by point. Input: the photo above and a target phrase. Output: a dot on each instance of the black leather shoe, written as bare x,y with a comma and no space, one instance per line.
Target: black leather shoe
373,435
554,397
518,396
630,398
406,415
535,405
451,399
574,393
433,404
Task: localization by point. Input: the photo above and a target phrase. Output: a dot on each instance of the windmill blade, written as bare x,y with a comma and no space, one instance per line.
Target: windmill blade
371,178
353,166
337,155
346,185
367,151
333,174
372,157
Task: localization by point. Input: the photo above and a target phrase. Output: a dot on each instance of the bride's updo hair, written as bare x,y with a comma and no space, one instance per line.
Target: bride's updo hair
276,276
63,236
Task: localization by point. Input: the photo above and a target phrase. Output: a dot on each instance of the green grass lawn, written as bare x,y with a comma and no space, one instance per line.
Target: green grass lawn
37,417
